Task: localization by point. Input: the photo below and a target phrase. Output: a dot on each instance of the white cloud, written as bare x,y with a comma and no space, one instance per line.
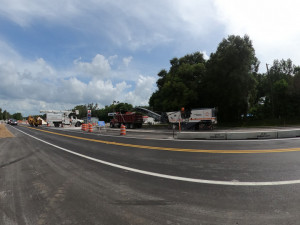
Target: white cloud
145,86
135,24
98,68
272,25
205,56
127,60
30,86
24,13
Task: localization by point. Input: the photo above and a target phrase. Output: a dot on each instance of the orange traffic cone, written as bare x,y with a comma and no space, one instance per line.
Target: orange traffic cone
90,128
123,130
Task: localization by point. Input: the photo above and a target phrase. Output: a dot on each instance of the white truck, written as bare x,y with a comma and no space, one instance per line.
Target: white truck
60,118
195,118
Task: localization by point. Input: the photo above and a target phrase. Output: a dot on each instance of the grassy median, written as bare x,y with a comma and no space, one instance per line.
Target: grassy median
4,133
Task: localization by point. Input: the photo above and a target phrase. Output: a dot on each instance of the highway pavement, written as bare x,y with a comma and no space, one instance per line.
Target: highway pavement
50,176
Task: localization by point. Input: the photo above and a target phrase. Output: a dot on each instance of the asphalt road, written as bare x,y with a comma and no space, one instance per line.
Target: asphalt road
46,184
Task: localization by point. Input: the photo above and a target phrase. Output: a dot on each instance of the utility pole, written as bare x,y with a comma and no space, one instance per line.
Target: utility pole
272,95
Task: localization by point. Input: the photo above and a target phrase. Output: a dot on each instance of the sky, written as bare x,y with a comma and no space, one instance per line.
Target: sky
57,54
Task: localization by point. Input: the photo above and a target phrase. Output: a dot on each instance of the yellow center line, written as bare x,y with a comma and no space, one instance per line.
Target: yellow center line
174,149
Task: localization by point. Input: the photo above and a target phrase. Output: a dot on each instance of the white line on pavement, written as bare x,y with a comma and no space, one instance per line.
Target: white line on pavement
193,180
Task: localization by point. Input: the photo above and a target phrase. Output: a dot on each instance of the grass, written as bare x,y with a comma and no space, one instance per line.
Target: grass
4,133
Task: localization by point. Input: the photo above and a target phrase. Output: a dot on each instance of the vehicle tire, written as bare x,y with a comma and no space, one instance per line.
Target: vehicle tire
131,126
111,125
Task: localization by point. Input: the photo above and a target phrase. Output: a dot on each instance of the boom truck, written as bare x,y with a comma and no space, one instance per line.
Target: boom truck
62,117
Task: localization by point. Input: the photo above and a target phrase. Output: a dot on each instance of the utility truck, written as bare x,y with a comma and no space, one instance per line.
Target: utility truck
61,118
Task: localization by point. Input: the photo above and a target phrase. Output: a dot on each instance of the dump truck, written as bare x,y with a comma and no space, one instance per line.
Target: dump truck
34,121
129,119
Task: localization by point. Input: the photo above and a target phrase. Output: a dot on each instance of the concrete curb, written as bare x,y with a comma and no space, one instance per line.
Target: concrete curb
239,135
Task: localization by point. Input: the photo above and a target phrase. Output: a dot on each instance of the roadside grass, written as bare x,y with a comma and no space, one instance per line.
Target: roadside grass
4,133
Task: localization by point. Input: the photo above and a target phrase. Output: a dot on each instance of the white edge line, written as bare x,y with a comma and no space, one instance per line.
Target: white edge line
193,180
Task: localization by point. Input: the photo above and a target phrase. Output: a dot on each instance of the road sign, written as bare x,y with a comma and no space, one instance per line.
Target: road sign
89,115
101,123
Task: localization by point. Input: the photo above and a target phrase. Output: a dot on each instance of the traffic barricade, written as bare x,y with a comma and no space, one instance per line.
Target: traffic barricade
123,130
90,127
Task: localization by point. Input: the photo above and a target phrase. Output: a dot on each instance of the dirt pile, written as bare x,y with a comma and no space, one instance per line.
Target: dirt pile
4,133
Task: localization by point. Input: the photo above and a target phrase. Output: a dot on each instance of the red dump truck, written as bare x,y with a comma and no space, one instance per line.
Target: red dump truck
129,119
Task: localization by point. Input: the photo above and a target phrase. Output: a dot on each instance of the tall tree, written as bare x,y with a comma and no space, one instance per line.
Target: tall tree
6,115
280,89
17,116
180,86
230,80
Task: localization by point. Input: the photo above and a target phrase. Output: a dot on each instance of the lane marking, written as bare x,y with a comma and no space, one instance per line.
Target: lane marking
165,176
183,140
175,149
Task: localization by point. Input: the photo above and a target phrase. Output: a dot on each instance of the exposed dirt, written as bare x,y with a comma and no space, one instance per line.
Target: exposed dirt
4,133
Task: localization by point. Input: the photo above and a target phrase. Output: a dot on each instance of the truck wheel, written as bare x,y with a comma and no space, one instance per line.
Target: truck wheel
131,126
111,125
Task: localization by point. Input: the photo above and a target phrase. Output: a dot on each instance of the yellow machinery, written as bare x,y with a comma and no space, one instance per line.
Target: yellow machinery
34,121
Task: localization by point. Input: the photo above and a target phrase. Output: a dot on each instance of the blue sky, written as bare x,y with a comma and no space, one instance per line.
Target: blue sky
58,54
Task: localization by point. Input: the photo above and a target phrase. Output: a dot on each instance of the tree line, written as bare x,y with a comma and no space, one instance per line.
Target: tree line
229,80
102,114
5,115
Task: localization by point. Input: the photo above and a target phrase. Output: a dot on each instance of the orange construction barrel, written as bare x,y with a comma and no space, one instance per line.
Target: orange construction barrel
123,130
90,128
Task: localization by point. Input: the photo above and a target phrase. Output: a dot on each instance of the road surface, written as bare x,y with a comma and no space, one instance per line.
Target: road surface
49,176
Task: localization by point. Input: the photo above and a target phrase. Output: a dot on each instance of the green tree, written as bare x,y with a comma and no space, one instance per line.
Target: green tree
102,114
279,89
6,115
83,110
181,86
17,116
231,77
1,114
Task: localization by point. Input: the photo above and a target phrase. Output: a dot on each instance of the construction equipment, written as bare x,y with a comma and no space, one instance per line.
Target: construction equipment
149,113
129,119
62,117
203,118
34,121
